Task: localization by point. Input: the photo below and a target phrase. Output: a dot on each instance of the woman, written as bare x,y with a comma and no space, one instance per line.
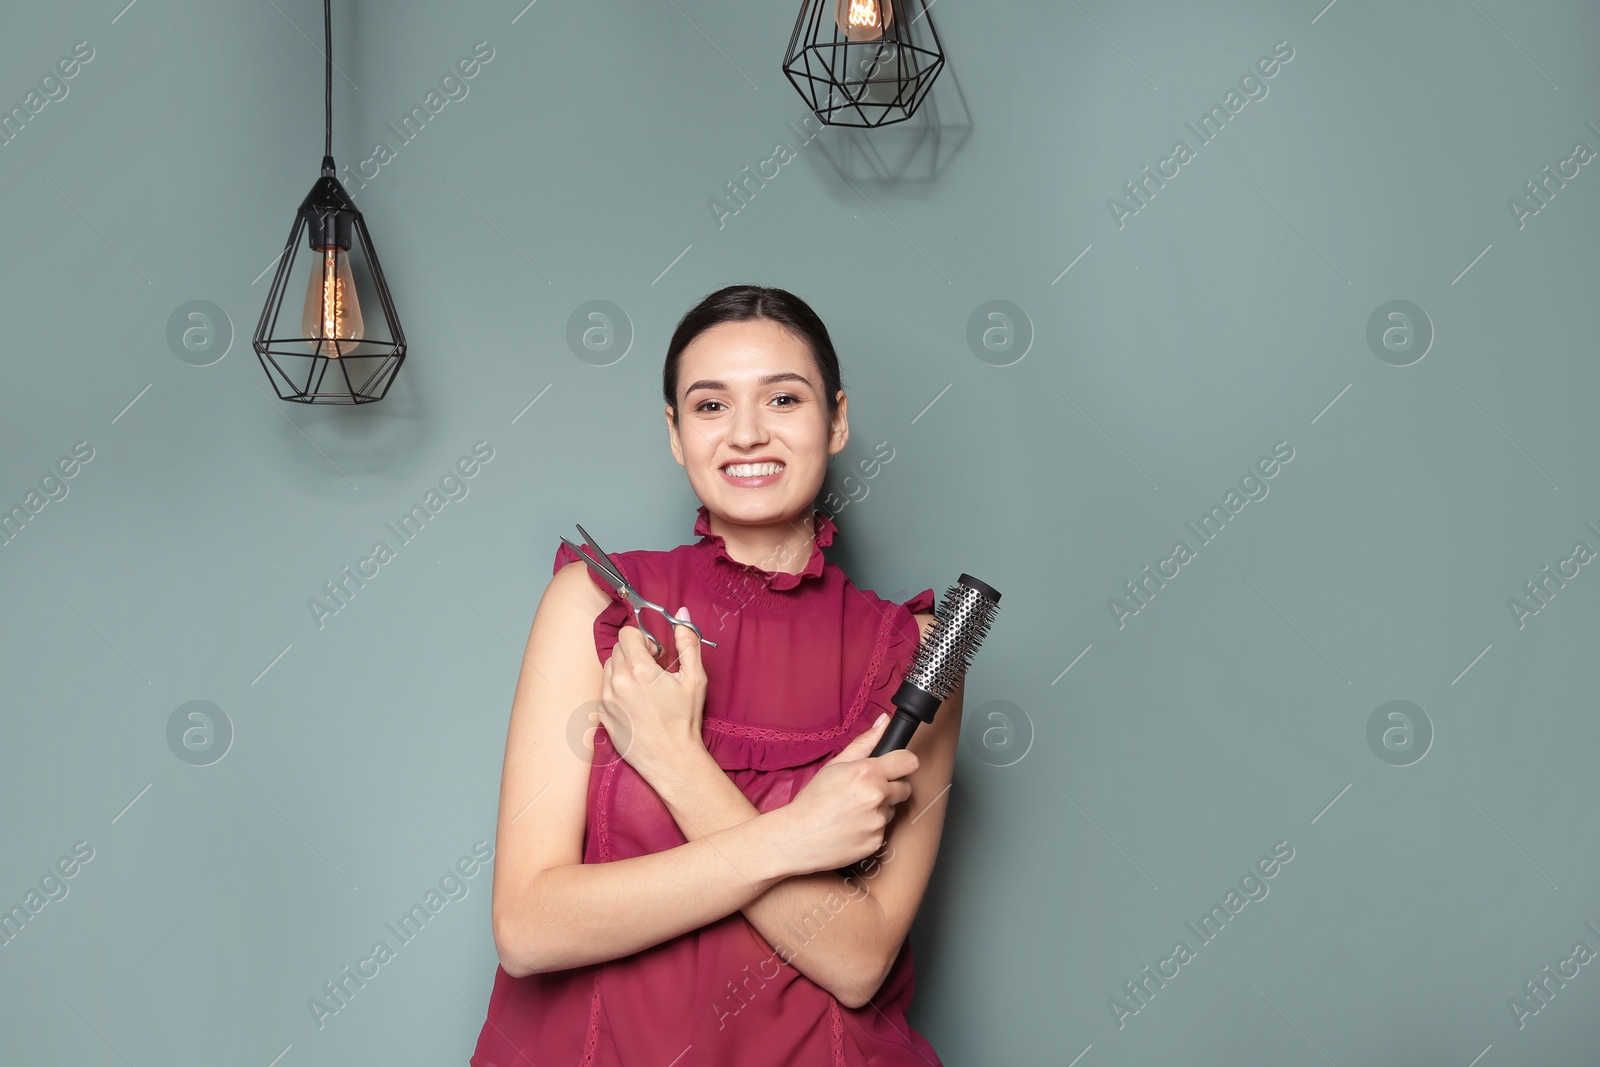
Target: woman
669,892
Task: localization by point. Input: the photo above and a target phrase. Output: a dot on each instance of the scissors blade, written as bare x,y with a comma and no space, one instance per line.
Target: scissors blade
606,564
601,566
613,574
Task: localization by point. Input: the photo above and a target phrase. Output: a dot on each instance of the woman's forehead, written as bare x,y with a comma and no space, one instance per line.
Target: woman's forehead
763,353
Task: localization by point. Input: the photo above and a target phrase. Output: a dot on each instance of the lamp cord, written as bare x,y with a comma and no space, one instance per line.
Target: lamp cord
327,31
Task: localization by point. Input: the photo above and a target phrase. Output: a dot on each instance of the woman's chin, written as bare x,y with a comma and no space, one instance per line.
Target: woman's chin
758,505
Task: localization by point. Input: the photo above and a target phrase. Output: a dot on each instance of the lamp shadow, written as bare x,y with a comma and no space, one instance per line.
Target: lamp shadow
915,150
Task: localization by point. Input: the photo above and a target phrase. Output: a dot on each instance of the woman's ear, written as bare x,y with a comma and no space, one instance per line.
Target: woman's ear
840,433
672,438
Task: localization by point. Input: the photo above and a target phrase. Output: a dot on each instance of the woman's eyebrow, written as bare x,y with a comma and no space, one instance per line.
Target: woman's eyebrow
782,376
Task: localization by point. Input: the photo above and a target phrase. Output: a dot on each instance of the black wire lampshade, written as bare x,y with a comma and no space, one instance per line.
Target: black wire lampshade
332,352
337,351
863,62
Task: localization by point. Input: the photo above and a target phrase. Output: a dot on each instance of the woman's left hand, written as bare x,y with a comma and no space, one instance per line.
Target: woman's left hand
653,716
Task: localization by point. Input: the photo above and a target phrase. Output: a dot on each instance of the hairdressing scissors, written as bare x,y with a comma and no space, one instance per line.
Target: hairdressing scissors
613,574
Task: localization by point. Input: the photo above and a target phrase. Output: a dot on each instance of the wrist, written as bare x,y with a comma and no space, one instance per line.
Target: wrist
682,780
774,830
667,771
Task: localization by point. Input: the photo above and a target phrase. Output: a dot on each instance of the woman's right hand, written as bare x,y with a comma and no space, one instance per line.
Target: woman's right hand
840,816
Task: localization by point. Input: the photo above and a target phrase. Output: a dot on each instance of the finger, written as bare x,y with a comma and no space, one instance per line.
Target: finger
897,764
863,742
638,639
638,646
619,650
644,641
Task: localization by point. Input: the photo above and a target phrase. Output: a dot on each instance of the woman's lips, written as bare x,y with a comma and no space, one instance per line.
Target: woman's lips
753,482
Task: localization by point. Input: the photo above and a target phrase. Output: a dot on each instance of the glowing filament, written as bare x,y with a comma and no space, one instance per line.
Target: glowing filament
864,20
331,321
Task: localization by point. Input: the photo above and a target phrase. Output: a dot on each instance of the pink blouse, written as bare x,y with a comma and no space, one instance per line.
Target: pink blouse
804,662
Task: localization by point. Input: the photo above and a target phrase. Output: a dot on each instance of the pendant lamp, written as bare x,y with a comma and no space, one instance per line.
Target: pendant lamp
344,344
863,62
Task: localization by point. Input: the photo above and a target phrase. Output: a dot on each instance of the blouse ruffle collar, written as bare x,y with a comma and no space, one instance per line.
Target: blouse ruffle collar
823,527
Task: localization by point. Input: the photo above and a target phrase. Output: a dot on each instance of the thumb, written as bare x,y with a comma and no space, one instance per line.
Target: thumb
687,640
863,742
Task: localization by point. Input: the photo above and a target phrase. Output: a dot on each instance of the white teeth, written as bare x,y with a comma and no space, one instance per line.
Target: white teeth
752,470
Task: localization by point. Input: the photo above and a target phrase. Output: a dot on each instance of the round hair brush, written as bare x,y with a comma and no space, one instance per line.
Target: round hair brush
959,625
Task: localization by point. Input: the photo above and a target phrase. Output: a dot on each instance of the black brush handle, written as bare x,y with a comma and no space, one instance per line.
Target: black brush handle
897,734
913,707
960,623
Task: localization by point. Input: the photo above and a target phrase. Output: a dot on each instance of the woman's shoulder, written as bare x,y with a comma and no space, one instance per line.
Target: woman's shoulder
638,565
594,598
641,557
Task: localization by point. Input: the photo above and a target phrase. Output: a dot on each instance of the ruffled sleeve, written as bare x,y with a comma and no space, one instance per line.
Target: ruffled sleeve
920,604
902,649
612,616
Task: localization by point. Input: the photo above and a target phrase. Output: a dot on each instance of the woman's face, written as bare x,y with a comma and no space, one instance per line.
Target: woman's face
750,392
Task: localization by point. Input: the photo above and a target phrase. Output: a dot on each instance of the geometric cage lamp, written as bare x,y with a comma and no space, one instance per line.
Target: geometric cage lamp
344,343
863,63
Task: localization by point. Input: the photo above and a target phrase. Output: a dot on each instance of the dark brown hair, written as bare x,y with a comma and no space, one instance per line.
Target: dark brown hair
740,303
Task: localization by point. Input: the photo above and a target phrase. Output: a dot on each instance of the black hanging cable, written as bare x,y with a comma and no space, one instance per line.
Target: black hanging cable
328,368
327,33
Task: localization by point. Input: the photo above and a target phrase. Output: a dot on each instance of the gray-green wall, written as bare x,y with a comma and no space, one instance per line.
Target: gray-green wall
1120,771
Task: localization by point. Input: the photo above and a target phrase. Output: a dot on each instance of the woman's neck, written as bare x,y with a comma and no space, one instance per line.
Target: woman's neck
782,546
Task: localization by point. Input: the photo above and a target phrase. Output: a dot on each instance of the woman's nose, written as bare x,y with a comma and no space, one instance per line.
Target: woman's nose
748,427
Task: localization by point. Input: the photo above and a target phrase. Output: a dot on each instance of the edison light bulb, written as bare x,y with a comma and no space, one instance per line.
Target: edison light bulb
332,311
864,20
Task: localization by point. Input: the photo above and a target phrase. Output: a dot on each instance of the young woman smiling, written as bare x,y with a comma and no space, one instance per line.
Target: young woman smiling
669,890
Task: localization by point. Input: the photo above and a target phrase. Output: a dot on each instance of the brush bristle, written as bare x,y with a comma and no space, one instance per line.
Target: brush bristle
960,624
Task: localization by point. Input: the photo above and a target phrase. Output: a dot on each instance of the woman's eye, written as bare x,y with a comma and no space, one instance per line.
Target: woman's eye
705,405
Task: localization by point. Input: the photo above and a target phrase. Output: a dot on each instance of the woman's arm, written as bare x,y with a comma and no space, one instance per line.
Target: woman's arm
551,910
847,948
